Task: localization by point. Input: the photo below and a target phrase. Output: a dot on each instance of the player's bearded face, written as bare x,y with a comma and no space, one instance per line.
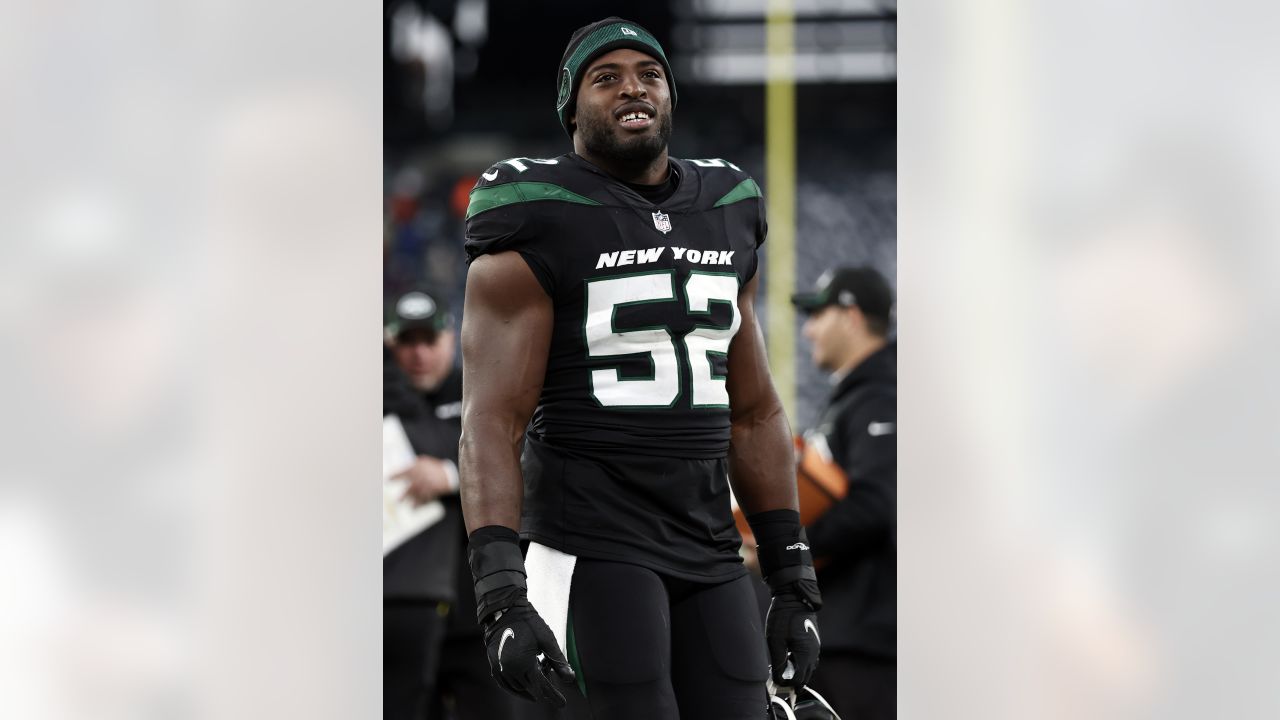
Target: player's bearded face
603,135
601,109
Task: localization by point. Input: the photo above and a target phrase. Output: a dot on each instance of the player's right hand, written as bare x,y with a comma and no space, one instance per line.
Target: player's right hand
515,640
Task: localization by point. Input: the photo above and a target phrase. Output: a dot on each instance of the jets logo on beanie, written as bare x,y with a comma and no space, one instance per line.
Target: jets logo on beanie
594,40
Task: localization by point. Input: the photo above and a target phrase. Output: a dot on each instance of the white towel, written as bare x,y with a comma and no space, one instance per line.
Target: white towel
549,575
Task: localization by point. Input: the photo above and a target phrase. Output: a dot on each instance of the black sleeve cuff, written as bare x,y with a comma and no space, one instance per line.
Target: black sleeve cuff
493,533
497,567
774,526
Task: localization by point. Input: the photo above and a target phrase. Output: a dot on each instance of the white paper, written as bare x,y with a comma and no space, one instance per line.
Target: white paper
401,519
397,453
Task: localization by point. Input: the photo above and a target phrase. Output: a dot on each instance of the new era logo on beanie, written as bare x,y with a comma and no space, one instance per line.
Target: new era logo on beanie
594,40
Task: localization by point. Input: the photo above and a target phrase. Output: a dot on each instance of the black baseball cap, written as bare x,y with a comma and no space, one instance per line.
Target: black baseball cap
862,287
418,310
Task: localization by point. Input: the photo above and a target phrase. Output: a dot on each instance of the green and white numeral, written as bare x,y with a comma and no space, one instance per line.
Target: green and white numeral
662,388
700,291
714,162
521,167
603,299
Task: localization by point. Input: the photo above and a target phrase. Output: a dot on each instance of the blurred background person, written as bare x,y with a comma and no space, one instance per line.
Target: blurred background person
854,541
433,659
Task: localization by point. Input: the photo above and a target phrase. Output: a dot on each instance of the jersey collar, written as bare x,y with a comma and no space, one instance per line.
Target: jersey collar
690,183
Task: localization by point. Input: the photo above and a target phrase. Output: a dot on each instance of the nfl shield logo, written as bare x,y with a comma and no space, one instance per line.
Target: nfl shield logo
662,221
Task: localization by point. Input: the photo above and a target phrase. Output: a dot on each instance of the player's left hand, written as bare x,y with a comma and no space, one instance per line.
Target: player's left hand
792,634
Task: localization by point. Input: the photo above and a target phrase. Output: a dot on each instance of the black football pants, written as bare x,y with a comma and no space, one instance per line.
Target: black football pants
647,646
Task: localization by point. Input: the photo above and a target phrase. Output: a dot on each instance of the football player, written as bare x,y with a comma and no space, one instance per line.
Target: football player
610,299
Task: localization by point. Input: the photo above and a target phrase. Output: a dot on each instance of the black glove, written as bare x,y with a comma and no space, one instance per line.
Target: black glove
513,640
514,634
792,626
791,629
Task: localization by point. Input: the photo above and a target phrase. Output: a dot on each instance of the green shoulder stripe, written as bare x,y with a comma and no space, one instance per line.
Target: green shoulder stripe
745,190
488,198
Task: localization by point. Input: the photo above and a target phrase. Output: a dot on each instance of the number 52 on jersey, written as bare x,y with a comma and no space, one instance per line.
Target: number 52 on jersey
663,389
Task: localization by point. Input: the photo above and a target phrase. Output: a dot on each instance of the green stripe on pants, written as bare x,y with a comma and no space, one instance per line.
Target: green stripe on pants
574,661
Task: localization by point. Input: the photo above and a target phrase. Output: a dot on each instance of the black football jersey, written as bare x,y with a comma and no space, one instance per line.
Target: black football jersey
645,300
645,296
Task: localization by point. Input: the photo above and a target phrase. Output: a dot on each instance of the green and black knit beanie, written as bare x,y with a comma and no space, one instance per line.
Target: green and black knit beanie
594,40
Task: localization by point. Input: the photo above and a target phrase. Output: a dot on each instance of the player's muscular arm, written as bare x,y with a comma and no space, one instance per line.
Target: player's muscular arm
762,470
506,332
761,454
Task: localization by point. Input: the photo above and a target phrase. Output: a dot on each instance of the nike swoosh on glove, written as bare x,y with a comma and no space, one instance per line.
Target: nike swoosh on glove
791,631
513,639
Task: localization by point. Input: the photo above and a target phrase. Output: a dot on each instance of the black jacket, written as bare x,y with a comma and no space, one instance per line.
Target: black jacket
857,537
426,567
